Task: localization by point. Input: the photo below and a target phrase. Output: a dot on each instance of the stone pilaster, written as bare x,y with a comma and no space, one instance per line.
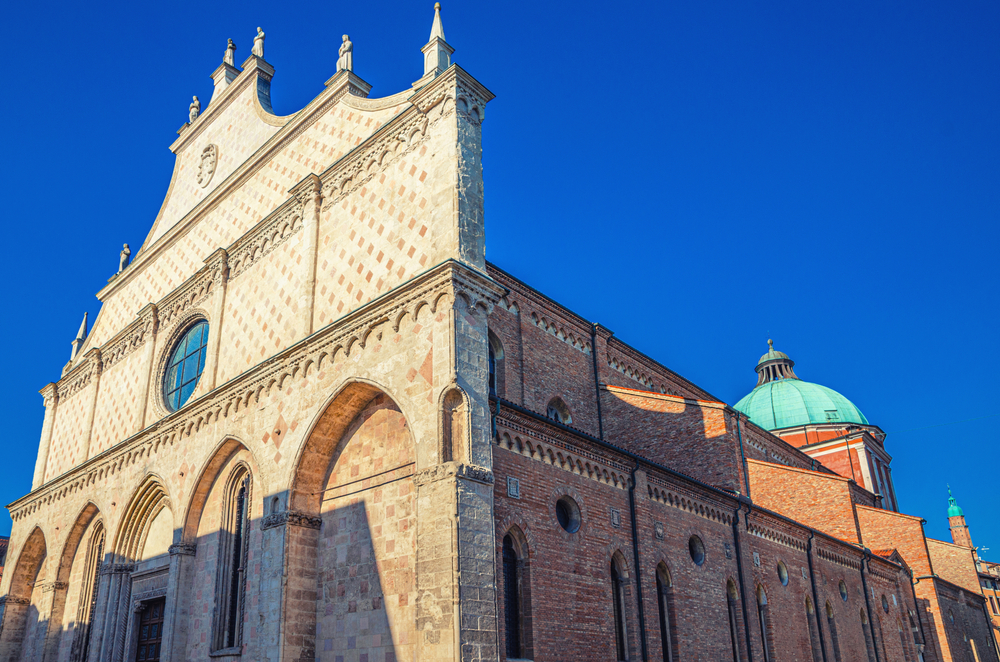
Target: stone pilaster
13,619
218,264
290,542
175,620
96,366
309,193
150,324
54,604
50,395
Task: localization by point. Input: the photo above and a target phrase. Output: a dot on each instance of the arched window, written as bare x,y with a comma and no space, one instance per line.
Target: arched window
763,617
453,417
869,641
88,593
187,360
496,365
618,605
516,599
732,608
813,623
834,639
558,411
664,601
234,539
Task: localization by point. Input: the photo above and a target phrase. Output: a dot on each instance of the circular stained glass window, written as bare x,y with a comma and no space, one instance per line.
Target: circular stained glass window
187,360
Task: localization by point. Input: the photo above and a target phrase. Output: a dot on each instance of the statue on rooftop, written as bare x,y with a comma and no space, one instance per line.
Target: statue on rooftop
346,60
258,44
123,258
230,56
194,109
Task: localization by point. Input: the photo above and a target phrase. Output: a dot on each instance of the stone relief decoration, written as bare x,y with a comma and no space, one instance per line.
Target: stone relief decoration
206,167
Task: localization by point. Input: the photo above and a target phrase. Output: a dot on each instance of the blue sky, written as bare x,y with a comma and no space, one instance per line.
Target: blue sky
696,176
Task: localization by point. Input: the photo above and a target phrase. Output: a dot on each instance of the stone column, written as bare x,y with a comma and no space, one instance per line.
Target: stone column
96,366
288,586
218,263
150,322
13,617
309,194
174,645
50,395
115,613
54,606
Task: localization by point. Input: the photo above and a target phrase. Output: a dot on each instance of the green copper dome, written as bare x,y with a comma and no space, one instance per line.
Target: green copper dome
782,400
954,510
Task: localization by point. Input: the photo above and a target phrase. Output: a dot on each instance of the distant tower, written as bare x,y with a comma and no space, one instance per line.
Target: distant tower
956,520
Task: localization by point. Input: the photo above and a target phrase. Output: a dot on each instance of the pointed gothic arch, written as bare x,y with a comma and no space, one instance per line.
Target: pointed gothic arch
352,514
148,502
21,602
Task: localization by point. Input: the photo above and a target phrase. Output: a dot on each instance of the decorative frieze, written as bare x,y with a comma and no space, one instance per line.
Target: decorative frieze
453,469
134,336
290,518
276,228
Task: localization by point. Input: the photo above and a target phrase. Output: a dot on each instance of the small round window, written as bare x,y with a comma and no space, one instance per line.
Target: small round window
568,514
187,360
697,549
843,590
782,573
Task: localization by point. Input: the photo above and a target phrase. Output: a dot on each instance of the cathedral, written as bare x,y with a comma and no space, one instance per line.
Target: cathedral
313,422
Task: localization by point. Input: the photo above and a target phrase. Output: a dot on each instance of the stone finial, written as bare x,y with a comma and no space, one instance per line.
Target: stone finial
437,51
346,60
194,109
437,29
123,257
81,336
258,44
230,56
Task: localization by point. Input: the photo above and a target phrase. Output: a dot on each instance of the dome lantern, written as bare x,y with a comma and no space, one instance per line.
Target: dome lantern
774,365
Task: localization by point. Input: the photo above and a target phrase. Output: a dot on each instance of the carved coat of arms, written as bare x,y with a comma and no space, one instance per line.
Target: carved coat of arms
206,168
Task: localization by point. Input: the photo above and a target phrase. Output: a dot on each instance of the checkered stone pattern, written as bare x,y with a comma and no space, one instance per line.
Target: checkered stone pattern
66,449
327,140
263,314
375,239
367,543
118,403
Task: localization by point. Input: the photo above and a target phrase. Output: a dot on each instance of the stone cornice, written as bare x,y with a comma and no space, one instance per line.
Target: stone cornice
275,229
80,376
763,525
132,337
349,334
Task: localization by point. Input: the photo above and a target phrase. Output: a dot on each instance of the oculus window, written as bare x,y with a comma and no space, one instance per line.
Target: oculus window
187,360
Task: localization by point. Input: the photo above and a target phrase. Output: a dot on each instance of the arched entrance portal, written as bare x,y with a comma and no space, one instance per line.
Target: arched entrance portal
355,480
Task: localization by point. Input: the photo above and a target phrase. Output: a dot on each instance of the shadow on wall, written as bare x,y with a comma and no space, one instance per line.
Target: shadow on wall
349,559
686,435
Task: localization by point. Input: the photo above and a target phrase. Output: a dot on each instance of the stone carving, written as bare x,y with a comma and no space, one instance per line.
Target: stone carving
123,258
346,60
183,548
258,44
206,167
12,600
194,109
291,518
230,56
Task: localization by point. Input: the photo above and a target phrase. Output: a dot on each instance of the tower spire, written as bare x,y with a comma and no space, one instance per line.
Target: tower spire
81,336
437,52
